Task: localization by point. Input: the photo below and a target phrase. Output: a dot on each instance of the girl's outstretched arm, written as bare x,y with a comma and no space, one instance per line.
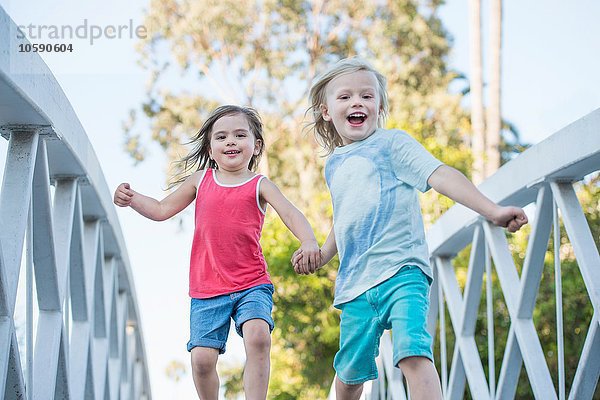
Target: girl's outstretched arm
294,220
154,209
453,184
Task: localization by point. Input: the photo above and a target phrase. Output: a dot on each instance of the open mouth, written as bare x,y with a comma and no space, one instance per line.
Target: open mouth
230,152
356,118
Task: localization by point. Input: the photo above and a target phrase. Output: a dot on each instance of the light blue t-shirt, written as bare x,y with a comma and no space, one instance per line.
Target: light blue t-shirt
376,211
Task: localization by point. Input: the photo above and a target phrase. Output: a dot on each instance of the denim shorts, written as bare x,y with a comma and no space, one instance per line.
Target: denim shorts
210,318
401,304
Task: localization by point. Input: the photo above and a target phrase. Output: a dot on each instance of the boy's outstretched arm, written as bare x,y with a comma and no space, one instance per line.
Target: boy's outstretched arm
328,251
154,209
294,220
453,184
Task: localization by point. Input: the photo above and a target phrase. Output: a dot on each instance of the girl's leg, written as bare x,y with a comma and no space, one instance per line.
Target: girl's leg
347,392
422,378
204,372
257,341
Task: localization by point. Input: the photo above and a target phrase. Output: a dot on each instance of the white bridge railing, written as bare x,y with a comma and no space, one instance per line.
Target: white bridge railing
543,178
78,334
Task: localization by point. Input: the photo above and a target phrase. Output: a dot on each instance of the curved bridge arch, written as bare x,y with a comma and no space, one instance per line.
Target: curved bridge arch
55,206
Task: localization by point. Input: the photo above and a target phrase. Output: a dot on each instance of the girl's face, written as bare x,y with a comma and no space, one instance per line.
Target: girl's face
232,144
352,103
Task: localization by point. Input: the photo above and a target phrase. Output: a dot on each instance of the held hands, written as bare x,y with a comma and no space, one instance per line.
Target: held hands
123,195
511,218
307,259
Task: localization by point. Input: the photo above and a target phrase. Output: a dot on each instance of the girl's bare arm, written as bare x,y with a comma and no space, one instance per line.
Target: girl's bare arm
154,209
294,220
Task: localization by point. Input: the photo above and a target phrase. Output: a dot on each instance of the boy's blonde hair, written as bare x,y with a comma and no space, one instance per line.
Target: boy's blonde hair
325,131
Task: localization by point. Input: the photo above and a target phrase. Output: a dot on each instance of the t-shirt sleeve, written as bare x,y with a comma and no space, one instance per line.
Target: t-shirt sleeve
411,162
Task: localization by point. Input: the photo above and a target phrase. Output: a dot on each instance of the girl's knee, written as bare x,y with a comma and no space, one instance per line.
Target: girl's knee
202,367
204,361
259,342
257,336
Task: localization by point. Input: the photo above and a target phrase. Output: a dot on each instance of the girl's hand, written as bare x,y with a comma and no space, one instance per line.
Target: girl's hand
511,218
305,260
123,195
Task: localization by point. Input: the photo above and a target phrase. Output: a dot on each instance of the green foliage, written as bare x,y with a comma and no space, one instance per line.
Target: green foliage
266,53
307,331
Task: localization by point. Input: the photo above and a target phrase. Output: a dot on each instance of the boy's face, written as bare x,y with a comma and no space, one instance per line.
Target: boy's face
352,104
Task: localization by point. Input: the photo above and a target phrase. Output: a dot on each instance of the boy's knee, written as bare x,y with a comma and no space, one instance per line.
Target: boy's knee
410,365
345,388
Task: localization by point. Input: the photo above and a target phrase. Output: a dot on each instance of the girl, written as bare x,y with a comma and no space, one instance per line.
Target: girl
228,272
384,274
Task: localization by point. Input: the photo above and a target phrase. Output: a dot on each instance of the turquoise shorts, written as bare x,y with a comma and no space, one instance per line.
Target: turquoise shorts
401,304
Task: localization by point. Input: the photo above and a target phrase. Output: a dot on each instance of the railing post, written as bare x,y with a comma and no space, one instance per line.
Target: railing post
443,350
490,323
29,305
35,106
15,201
559,304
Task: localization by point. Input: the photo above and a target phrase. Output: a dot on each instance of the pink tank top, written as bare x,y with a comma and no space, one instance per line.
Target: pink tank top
226,254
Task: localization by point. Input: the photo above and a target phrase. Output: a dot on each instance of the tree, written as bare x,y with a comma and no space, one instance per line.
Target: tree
494,116
486,144
476,88
175,370
266,54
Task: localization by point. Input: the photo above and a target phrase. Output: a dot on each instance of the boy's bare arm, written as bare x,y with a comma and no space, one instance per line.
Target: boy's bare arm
453,184
329,248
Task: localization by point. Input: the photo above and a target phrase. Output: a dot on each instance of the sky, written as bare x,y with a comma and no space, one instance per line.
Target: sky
551,59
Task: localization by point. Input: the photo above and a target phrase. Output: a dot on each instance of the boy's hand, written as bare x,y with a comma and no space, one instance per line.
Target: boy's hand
511,218
123,195
307,259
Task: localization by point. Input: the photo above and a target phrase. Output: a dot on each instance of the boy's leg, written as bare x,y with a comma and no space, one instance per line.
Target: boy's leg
257,341
347,392
407,294
422,378
204,372
360,331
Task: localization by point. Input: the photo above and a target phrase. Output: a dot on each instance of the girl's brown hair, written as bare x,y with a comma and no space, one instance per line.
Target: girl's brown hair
199,157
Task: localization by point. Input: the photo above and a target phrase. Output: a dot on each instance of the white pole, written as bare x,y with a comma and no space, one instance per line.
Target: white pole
29,305
443,353
559,305
490,323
